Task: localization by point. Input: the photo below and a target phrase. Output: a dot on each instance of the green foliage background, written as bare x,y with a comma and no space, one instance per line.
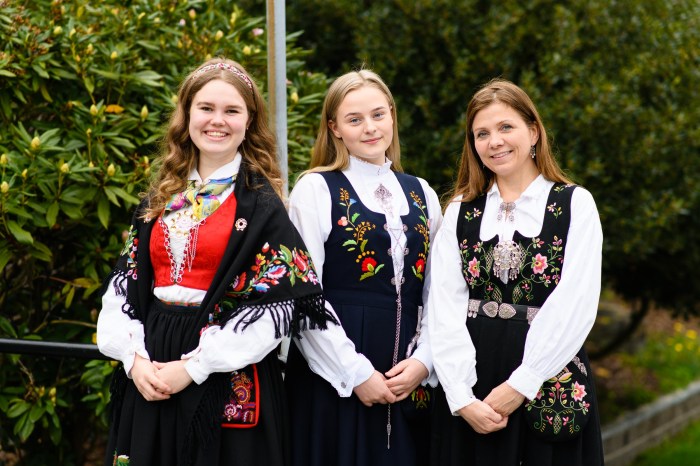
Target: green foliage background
85,89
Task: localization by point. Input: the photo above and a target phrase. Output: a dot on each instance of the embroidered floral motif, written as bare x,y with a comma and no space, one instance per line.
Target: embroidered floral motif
556,211
242,404
472,215
540,265
535,268
558,403
420,397
424,229
368,264
270,267
129,250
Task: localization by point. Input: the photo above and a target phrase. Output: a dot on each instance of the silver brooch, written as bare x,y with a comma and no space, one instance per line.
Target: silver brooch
241,223
507,259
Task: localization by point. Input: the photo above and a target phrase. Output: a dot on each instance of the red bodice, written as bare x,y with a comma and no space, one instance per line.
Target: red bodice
211,242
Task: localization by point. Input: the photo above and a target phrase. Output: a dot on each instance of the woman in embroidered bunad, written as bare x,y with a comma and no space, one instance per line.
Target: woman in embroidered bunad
368,227
514,294
212,277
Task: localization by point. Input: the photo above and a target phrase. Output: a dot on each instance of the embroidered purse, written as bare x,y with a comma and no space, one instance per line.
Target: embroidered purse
561,408
242,410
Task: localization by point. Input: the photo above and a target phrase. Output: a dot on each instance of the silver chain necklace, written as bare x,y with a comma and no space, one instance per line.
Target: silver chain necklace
396,251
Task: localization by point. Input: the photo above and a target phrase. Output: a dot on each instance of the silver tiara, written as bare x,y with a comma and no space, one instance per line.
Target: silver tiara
225,66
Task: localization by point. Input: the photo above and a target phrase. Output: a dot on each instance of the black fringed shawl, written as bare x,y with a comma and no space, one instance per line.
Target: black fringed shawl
265,269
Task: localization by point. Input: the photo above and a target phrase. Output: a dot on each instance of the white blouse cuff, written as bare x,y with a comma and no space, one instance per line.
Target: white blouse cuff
526,381
422,354
129,357
351,379
458,399
196,367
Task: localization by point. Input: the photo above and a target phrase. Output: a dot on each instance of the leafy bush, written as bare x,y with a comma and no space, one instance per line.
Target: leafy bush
85,89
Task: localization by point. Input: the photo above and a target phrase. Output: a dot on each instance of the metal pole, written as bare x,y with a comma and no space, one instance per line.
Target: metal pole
50,348
277,97
277,80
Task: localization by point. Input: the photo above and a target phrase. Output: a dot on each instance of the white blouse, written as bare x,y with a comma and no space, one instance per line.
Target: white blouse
310,211
564,320
329,352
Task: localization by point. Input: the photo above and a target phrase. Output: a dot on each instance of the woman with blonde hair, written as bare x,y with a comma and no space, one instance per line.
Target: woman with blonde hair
212,276
368,227
516,281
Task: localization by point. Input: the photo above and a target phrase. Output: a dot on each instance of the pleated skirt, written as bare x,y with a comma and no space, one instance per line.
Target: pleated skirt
182,430
499,347
332,431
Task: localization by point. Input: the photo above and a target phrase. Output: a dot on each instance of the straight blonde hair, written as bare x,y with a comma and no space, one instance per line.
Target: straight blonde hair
329,152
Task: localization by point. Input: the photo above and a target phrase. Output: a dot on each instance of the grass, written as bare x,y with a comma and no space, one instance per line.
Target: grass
683,449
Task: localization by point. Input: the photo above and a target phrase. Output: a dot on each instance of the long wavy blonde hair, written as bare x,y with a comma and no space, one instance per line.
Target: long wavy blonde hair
179,155
473,179
329,152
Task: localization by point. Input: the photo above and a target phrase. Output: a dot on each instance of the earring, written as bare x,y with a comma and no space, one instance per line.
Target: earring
533,152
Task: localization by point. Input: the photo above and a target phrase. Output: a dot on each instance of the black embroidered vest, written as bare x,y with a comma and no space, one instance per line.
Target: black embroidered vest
358,249
540,269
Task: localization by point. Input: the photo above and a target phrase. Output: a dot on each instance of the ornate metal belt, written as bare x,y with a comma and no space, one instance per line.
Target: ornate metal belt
494,310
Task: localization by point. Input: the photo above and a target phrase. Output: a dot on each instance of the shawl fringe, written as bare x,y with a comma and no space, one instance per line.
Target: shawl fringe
120,278
291,317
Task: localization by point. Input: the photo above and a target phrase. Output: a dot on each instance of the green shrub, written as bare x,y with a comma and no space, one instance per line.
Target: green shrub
85,88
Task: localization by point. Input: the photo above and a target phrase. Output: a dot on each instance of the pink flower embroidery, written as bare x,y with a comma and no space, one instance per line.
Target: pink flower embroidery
474,267
578,392
343,221
539,263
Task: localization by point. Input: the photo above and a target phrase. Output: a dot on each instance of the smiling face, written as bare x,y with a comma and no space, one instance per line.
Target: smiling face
218,121
364,123
502,140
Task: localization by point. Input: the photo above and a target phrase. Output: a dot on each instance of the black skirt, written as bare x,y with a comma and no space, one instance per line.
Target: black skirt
186,429
334,431
499,347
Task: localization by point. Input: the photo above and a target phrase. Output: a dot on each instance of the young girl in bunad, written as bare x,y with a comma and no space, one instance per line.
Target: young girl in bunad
516,281
212,277
368,227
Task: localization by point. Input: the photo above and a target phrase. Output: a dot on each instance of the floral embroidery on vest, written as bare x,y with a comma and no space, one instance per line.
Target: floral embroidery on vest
368,264
532,269
541,262
424,229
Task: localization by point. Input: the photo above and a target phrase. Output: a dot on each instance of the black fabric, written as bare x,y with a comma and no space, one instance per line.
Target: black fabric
242,291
